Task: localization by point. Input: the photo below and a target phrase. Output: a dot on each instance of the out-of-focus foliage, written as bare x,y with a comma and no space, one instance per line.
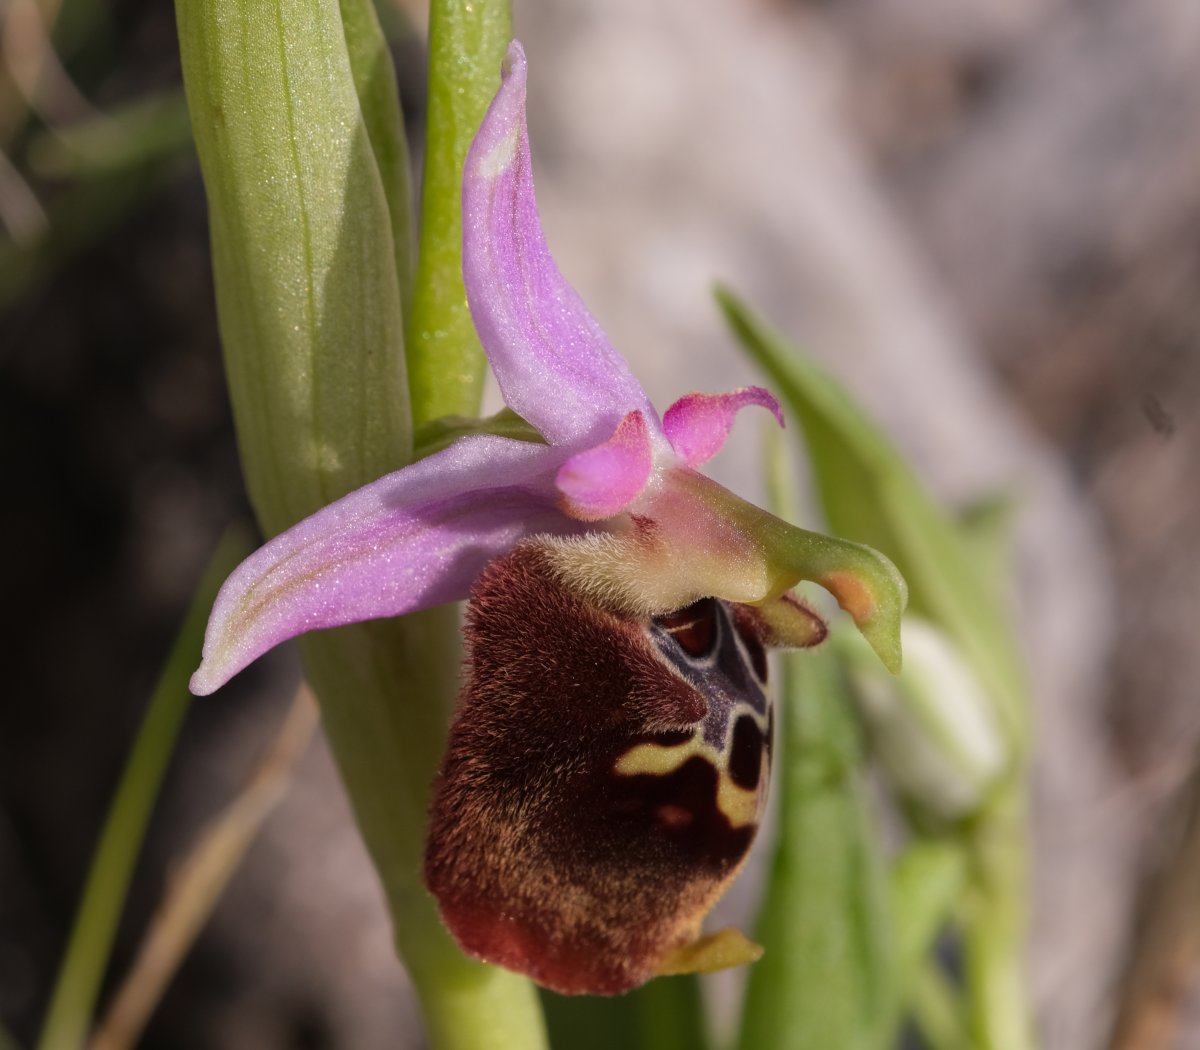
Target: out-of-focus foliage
949,735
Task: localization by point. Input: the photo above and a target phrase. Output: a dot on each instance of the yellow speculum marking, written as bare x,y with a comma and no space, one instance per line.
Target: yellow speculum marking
738,804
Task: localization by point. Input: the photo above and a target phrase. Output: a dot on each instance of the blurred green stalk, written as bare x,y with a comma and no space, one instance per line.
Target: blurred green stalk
827,977
73,1000
7,1042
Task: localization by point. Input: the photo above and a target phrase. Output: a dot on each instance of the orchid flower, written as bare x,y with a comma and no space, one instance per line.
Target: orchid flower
608,761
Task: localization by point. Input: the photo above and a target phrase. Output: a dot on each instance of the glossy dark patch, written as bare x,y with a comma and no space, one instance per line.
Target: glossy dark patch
693,627
746,753
704,838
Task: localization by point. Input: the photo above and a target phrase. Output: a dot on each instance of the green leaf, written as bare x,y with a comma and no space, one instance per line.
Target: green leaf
142,131
308,295
827,975
987,526
379,97
870,494
72,1003
309,302
446,365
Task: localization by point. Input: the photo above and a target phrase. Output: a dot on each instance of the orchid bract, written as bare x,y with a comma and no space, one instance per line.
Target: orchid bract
608,762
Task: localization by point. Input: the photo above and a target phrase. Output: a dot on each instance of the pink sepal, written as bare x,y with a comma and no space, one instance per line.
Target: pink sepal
553,362
410,540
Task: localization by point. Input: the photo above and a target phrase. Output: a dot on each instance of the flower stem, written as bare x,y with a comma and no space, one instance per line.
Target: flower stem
994,926
386,690
937,1011
828,976
446,366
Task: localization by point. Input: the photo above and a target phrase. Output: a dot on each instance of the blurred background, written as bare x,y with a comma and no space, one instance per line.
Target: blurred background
985,218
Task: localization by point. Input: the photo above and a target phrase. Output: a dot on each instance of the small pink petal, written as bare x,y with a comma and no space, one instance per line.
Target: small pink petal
698,424
604,480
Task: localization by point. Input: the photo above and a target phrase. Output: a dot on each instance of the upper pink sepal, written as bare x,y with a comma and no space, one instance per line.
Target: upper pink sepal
554,364
698,424
602,481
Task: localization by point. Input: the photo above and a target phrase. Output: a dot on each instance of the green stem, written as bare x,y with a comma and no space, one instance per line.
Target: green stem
926,882
446,366
937,1011
74,998
386,689
827,976
994,925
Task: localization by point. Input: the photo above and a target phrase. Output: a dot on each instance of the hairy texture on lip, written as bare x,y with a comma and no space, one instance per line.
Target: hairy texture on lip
547,854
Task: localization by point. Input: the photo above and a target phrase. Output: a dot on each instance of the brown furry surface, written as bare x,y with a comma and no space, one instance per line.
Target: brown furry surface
543,858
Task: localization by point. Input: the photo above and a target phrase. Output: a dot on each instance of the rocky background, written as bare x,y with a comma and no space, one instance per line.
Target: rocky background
985,218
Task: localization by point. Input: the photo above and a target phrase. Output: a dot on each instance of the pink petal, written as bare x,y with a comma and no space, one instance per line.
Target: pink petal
698,424
604,480
554,365
410,540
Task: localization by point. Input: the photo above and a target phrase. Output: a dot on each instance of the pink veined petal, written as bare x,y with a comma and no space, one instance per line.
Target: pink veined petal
553,362
604,480
698,424
410,540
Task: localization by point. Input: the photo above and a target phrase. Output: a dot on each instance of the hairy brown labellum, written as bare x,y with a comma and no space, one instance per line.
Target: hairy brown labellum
603,780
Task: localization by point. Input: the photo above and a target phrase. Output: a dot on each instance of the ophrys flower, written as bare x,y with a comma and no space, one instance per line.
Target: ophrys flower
608,760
